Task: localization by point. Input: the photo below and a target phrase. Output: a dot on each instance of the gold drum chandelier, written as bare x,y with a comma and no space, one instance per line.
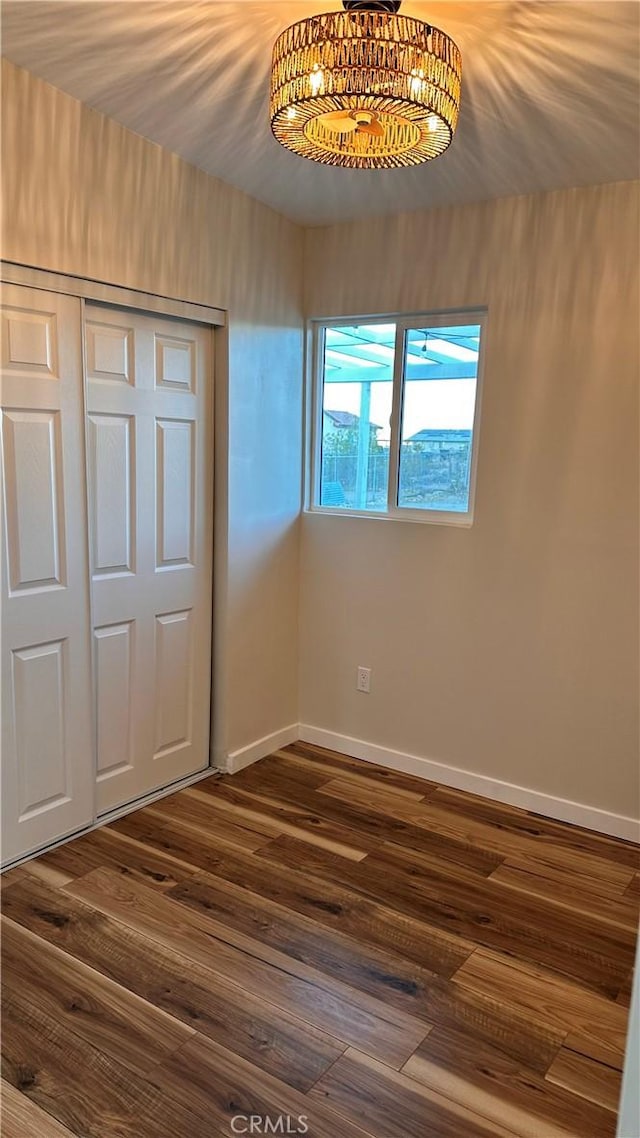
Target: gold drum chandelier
365,88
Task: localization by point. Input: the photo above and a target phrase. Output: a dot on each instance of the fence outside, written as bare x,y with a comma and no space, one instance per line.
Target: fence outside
431,476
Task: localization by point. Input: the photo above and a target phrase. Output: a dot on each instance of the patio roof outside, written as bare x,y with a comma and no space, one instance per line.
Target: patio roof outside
364,353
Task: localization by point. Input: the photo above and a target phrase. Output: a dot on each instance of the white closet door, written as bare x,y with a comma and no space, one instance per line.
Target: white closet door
150,449
47,758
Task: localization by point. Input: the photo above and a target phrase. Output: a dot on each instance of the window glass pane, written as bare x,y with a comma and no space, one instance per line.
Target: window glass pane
438,411
356,412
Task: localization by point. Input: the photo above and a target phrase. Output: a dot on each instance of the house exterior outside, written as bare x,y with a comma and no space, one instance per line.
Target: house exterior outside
434,470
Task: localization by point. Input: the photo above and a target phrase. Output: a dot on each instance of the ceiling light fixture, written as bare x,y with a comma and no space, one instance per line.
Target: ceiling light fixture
365,88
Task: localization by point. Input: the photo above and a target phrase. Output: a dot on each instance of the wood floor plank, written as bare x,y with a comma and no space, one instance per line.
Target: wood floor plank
597,955
553,871
140,824
509,843
184,988
11,876
439,820
511,822
322,760
192,848
21,1118
394,1105
374,826
117,851
442,818
564,836
625,993
598,1046
231,807
588,1080
484,1020
83,1089
299,822
194,808
364,792
400,857
323,1003
206,1079
328,903
56,878
484,1079
196,811
633,888
87,1003
544,830
422,993
92,1095
595,1025
562,890
380,973
304,776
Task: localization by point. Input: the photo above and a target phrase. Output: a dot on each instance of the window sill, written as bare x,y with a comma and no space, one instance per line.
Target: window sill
419,517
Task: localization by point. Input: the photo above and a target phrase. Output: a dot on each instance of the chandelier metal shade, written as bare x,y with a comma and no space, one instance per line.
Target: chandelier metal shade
365,88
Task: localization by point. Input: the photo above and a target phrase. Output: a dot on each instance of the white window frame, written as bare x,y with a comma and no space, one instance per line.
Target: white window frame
315,384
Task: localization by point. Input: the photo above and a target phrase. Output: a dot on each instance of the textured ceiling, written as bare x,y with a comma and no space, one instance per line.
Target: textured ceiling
550,94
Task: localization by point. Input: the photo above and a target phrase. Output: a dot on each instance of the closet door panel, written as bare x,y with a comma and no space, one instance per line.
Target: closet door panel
47,752
111,461
149,396
115,710
175,477
39,714
34,500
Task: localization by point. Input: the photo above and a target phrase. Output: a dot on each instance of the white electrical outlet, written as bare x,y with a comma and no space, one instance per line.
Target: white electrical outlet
363,682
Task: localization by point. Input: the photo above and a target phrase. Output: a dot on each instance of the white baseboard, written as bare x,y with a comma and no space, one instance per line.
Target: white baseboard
260,748
560,809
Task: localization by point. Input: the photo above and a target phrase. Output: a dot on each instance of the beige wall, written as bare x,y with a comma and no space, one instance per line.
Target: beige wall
509,649
83,195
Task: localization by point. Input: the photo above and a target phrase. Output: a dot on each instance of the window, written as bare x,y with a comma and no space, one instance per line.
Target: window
396,416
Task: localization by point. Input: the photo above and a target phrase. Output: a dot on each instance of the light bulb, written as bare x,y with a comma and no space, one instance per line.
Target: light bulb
433,122
417,81
316,80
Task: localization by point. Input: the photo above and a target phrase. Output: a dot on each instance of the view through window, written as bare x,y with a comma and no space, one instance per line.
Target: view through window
397,435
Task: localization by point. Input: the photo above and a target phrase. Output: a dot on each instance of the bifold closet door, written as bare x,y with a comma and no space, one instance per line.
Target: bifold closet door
150,448
47,752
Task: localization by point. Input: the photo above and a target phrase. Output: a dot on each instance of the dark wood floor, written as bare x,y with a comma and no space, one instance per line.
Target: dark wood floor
319,938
